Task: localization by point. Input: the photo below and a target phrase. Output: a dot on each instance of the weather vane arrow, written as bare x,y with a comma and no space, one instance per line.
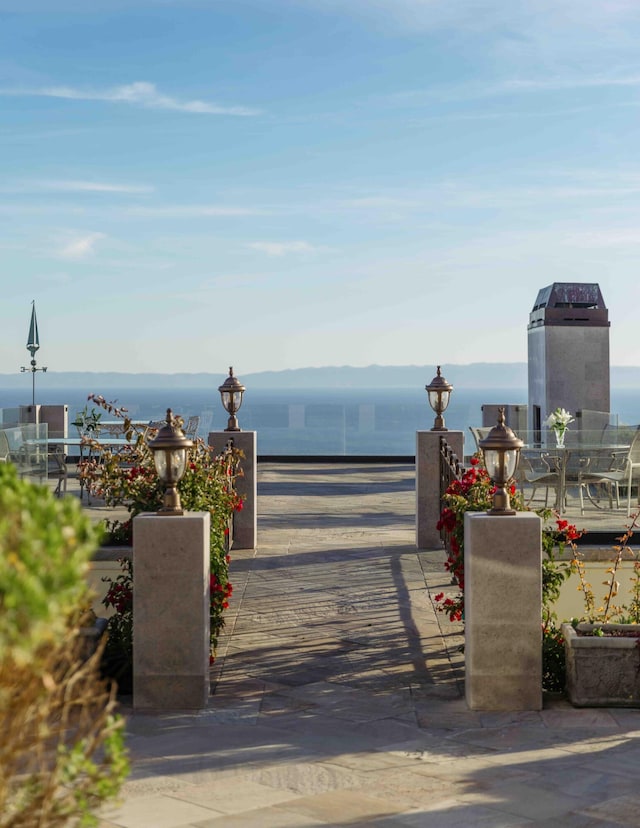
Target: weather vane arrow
33,344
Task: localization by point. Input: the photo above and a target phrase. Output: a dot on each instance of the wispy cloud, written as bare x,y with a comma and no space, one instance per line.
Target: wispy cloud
283,248
73,186
505,197
139,93
379,201
562,83
80,248
194,211
511,86
613,237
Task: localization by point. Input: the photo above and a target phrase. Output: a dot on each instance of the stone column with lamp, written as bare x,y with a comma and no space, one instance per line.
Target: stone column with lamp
171,597
428,463
245,522
503,591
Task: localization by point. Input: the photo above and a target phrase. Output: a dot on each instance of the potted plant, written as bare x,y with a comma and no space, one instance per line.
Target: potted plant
558,421
87,422
602,651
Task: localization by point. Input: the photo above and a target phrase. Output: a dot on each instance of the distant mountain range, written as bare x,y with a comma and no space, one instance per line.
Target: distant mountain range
476,375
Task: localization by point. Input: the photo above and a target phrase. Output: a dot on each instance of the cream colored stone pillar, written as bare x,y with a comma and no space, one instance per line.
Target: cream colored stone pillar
245,522
502,611
171,611
428,483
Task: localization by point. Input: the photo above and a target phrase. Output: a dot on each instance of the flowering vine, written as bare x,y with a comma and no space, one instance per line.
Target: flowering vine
474,493
127,477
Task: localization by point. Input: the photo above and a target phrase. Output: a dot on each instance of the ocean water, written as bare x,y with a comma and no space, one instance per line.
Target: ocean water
380,421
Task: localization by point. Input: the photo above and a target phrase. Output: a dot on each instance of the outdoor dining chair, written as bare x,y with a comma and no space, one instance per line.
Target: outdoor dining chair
57,469
536,471
623,470
479,433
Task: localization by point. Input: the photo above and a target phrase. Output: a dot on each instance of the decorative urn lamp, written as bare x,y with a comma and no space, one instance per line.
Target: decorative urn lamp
439,391
231,392
169,449
501,450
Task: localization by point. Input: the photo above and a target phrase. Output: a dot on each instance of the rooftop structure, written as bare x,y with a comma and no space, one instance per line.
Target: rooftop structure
568,343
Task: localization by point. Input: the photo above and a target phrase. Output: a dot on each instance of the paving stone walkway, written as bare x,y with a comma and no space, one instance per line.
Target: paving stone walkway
337,695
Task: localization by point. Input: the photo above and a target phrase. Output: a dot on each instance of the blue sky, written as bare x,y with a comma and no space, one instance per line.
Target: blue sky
189,184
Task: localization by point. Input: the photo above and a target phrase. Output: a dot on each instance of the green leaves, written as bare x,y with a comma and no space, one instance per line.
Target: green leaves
45,547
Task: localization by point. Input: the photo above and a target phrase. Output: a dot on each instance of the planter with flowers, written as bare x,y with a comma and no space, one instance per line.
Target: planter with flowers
127,477
558,421
603,652
474,492
595,659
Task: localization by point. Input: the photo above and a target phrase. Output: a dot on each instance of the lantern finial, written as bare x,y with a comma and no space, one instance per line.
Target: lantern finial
501,450
169,449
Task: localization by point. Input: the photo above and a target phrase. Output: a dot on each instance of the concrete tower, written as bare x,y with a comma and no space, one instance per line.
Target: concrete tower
568,342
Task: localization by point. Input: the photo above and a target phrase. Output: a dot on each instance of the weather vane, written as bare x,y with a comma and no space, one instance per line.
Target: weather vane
33,344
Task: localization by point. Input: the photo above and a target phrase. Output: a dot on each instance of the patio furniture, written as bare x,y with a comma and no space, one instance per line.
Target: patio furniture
536,471
57,469
479,434
5,453
190,429
623,469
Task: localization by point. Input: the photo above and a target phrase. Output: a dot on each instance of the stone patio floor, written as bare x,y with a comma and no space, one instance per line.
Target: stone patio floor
337,695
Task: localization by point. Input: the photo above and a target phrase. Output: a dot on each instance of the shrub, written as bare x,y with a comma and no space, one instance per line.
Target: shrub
61,751
474,493
127,477
608,610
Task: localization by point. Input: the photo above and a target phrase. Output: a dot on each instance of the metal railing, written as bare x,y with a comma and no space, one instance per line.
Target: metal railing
451,468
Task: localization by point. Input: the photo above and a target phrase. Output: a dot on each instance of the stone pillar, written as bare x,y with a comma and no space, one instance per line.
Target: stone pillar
503,611
171,611
428,483
245,522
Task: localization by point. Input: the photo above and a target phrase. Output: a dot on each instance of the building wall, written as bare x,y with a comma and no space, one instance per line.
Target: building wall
568,368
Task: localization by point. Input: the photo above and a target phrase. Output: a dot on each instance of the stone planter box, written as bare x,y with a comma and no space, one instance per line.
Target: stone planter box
603,670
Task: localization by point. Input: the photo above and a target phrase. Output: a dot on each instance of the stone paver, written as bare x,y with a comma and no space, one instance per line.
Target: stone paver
338,692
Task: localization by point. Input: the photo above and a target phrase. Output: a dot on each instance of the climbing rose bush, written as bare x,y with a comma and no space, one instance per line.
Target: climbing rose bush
126,477
474,493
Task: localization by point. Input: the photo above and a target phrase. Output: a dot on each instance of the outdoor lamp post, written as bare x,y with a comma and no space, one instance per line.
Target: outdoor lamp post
501,450
231,392
439,392
169,449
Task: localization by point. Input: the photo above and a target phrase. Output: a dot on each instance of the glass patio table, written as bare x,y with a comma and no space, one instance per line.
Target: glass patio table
574,463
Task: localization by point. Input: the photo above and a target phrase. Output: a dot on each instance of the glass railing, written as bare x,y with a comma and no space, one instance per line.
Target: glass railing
26,446
348,423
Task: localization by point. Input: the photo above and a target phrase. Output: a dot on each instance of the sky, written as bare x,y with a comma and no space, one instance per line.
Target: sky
271,184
